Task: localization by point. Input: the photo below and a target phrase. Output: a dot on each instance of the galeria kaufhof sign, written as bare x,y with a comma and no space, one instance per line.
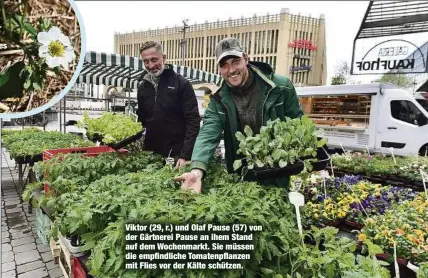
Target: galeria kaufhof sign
391,56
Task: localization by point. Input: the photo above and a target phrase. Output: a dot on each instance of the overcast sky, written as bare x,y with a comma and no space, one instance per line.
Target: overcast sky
102,19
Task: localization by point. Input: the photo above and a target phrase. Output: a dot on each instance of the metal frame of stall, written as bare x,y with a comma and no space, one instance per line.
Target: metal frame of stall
126,72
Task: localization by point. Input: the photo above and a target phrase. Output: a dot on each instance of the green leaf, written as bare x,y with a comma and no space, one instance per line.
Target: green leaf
372,248
282,163
267,271
248,131
27,26
259,163
4,77
27,83
237,164
276,155
240,136
37,86
133,214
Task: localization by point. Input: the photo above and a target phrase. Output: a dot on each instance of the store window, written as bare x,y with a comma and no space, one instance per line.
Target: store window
406,111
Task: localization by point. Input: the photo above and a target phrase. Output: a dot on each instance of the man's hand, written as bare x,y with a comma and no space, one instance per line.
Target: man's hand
191,181
180,162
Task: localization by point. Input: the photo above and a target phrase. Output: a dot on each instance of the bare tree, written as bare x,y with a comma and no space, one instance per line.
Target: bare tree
402,80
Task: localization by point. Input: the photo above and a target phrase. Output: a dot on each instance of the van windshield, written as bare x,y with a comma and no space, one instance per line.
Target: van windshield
423,103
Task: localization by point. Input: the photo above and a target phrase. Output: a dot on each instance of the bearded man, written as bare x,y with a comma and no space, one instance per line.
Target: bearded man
167,107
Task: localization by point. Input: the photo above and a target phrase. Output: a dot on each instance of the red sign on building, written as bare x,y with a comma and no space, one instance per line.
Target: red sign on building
302,44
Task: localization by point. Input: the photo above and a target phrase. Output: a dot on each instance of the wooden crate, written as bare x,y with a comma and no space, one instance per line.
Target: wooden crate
65,260
55,249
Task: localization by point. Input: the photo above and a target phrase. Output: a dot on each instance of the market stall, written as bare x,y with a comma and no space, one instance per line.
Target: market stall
88,199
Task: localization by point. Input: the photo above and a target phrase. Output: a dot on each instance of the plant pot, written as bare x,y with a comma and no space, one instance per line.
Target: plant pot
353,224
96,138
127,141
29,159
322,160
389,258
74,240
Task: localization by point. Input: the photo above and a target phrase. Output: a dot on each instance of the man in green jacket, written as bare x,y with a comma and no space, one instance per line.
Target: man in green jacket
251,94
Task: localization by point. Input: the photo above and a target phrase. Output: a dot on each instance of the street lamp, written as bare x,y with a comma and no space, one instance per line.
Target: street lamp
183,41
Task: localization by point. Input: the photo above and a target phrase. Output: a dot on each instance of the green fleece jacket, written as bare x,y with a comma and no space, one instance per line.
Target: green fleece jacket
279,100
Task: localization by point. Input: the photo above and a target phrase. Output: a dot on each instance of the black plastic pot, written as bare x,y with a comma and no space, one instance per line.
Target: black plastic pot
126,141
323,159
28,159
74,240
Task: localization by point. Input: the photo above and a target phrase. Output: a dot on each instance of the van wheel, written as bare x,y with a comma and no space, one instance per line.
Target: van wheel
424,150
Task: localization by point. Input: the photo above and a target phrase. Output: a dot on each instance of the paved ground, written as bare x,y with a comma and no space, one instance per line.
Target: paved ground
23,254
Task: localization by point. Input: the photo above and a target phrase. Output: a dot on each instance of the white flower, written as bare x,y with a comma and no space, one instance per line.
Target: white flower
313,179
324,174
56,48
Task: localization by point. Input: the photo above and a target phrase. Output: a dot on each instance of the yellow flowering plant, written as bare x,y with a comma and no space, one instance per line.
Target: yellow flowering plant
405,225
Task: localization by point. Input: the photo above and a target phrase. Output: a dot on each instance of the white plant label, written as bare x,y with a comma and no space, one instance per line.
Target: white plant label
393,156
325,191
424,181
412,267
343,149
169,160
324,175
368,151
297,185
397,269
297,200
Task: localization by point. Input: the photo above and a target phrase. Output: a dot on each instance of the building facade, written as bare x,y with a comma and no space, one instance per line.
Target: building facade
293,45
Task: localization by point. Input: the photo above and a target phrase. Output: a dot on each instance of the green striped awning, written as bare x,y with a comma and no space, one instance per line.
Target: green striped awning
124,71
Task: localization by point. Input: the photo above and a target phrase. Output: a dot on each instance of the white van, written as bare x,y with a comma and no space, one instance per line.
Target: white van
368,116
422,98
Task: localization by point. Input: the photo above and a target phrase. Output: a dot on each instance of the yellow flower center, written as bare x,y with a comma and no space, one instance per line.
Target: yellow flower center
56,49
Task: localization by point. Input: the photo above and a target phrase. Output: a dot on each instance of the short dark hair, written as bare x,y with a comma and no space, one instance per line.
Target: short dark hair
150,44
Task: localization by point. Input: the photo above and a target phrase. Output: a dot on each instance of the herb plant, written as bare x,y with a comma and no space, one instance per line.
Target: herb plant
112,128
378,164
280,143
25,143
335,258
100,211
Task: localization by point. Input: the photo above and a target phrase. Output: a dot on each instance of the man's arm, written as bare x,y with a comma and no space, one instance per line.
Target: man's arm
206,143
192,119
208,138
292,107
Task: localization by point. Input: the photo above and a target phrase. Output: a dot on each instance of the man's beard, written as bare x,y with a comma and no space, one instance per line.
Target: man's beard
157,73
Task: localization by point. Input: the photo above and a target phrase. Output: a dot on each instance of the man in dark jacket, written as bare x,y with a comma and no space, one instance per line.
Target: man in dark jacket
167,107
251,94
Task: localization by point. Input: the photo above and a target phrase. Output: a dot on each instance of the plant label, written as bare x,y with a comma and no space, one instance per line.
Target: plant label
324,175
368,151
297,200
392,153
297,185
397,269
424,181
325,190
343,149
412,267
169,161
